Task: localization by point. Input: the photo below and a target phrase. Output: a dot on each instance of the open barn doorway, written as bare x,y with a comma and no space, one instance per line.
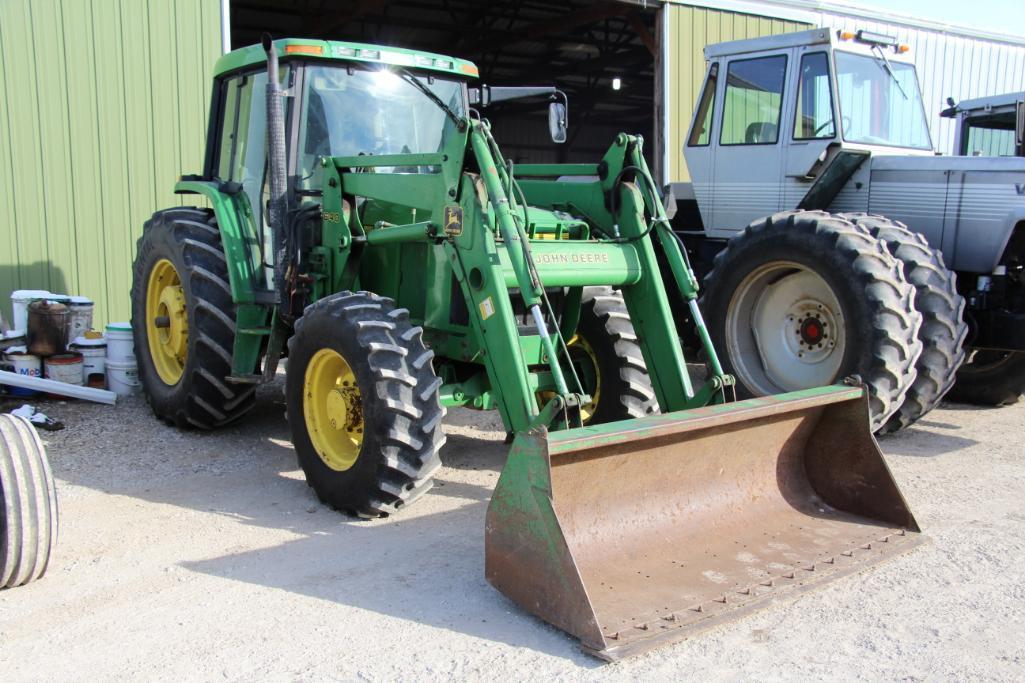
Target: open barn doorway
601,54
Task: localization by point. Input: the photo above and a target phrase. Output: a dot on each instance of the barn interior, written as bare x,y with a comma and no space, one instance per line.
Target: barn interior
601,54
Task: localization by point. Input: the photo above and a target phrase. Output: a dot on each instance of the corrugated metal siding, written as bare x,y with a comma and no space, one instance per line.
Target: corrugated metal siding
103,103
948,66
689,30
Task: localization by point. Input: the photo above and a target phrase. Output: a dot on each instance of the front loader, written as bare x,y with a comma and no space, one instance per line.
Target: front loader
364,222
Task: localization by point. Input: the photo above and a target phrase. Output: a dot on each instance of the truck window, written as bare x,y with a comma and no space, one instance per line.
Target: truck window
702,129
754,96
989,136
814,112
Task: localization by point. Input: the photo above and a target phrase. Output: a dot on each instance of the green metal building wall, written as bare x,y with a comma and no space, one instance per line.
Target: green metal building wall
689,29
103,104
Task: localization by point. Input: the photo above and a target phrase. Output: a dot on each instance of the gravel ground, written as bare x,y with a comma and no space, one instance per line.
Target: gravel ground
190,556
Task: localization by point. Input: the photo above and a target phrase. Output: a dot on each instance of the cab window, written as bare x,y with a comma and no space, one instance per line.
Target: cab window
754,97
702,130
814,110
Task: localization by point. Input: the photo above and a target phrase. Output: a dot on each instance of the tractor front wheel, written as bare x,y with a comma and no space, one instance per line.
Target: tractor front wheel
183,321
607,358
363,404
803,299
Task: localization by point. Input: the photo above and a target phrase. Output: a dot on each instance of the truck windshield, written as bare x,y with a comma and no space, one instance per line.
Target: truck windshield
878,108
349,112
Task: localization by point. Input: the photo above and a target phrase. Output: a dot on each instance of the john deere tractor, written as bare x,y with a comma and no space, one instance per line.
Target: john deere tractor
364,221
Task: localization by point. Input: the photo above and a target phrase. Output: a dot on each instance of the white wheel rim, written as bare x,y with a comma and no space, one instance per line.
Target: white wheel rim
785,330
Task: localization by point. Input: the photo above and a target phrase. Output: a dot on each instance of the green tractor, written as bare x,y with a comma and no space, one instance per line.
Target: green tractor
364,223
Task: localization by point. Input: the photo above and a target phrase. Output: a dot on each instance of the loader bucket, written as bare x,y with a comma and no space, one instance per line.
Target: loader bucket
633,534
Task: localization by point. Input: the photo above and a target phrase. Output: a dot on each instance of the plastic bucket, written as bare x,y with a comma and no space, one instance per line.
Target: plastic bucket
23,364
20,301
94,360
64,367
80,316
123,377
120,345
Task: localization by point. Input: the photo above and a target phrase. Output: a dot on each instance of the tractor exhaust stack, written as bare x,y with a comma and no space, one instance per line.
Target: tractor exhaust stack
634,534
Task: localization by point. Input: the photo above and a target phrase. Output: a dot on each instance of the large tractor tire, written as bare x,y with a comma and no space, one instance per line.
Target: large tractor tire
608,360
28,504
183,321
943,328
805,298
990,378
363,404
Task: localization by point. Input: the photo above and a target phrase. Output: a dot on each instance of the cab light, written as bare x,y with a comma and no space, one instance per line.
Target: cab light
342,51
903,48
424,61
442,63
304,50
400,58
469,69
846,35
370,54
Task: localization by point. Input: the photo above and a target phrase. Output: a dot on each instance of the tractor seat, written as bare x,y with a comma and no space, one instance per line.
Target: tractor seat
760,132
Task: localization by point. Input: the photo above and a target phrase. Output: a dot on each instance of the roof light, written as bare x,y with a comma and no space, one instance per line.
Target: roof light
846,35
400,58
875,38
903,48
442,63
304,50
370,54
469,69
342,51
424,61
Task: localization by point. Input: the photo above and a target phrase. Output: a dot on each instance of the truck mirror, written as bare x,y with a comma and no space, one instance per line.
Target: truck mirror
557,123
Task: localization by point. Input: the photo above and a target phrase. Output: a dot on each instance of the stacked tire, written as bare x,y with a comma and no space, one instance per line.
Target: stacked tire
807,298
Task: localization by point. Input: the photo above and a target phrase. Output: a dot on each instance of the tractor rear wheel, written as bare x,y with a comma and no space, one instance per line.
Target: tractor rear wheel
607,359
943,328
28,504
990,378
363,404
183,321
805,298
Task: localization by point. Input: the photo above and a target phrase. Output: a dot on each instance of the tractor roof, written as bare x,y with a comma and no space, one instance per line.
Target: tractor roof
291,48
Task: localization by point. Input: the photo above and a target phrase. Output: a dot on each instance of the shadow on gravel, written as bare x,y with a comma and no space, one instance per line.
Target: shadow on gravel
424,565
921,441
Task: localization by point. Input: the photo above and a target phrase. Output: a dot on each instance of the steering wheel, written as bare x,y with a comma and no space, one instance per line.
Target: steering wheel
845,120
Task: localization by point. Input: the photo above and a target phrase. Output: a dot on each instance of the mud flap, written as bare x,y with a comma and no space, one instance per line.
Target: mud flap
632,534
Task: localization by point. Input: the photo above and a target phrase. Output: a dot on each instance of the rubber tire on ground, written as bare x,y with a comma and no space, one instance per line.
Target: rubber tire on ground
625,390
881,345
943,328
990,378
28,504
402,409
202,398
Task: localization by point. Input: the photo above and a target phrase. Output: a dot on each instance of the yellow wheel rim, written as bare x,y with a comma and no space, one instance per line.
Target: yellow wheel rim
333,409
167,322
585,361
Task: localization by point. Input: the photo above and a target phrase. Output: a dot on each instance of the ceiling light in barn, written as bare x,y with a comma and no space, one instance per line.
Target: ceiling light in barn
617,83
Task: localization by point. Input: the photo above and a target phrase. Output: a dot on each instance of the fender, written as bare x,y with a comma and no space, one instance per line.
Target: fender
235,225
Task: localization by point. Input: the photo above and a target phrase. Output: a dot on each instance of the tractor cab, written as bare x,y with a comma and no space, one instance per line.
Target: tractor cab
991,126
776,112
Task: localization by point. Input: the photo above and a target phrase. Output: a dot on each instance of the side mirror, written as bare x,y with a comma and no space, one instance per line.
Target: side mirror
557,121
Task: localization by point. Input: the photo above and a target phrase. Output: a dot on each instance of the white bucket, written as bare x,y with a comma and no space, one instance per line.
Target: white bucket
80,316
123,377
120,346
64,367
20,300
23,364
94,360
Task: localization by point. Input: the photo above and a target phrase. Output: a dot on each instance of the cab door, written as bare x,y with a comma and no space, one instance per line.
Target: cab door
813,126
750,146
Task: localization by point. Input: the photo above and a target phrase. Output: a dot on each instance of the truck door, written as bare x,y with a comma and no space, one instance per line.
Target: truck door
749,156
813,128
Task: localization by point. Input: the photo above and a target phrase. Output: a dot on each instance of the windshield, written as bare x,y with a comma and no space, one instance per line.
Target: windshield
349,112
878,108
